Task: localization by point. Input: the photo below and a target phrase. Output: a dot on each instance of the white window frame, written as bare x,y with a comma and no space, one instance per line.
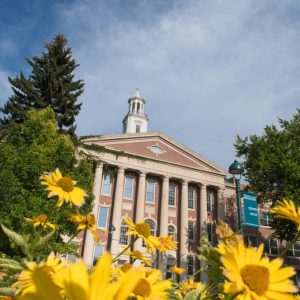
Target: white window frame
193,192
267,241
107,214
175,231
248,242
122,235
268,218
110,184
152,231
131,189
100,246
209,201
190,258
175,193
154,189
293,250
193,228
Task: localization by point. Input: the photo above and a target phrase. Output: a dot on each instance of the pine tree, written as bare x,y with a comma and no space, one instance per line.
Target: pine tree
51,83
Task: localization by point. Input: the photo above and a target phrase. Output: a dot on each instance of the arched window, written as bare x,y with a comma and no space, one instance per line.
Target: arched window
138,108
133,107
123,234
172,231
152,226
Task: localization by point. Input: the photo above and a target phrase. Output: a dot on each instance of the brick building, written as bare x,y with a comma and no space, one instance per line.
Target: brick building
169,186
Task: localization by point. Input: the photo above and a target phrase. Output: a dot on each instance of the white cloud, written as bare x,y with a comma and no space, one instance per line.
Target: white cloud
207,69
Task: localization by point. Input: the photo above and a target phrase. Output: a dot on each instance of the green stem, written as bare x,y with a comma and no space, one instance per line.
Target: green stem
72,237
124,250
290,244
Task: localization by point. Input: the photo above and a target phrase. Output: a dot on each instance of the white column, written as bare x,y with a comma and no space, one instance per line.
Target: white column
203,210
89,240
203,221
221,203
164,207
184,225
117,210
140,205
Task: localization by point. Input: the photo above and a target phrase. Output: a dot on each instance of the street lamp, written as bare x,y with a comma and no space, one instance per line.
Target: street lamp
236,169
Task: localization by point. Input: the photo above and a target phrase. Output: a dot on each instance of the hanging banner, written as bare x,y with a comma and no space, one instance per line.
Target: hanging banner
250,209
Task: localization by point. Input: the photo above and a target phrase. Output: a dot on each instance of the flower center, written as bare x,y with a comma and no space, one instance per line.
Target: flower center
137,254
143,288
66,183
42,218
126,267
256,278
143,229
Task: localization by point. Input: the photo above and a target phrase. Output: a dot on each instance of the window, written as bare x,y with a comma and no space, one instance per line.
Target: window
123,234
191,230
191,198
137,128
171,261
172,232
128,187
190,265
209,232
150,197
172,195
102,217
265,218
294,250
251,240
106,185
98,250
296,278
152,228
71,257
271,246
208,202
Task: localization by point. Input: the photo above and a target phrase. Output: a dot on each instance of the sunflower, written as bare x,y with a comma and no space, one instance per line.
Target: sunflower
166,243
252,276
151,287
25,283
41,220
64,188
142,230
177,270
136,254
86,222
286,209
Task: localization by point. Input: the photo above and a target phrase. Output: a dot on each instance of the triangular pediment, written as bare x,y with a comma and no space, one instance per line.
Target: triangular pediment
155,146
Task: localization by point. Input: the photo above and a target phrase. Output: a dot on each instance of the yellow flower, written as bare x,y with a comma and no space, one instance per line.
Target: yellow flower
188,286
25,283
142,230
86,222
286,209
151,287
136,254
253,276
166,243
41,220
223,230
64,188
177,270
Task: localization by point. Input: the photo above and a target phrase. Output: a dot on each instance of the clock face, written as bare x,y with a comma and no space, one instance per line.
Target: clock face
157,149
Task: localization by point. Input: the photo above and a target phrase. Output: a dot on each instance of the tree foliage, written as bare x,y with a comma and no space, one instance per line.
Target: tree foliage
31,148
51,83
272,164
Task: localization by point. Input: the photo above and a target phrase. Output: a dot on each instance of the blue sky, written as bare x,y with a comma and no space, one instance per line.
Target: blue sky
207,69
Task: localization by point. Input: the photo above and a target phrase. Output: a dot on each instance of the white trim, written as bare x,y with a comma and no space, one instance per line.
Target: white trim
194,230
175,195
194,198
110,186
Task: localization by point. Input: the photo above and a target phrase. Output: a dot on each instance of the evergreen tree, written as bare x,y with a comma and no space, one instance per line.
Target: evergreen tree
51,83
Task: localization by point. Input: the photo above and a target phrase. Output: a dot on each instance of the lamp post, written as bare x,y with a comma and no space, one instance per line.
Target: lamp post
236,169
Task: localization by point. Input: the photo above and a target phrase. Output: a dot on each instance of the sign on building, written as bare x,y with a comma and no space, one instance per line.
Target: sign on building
250,209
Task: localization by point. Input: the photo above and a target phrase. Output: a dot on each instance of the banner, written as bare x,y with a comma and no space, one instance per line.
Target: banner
250,209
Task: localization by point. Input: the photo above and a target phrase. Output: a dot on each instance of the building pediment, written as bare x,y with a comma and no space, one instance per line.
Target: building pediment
155,146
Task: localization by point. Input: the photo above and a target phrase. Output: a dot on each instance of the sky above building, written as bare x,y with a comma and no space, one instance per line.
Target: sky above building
208,70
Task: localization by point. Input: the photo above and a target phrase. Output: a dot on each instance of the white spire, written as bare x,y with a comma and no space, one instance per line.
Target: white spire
136,120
